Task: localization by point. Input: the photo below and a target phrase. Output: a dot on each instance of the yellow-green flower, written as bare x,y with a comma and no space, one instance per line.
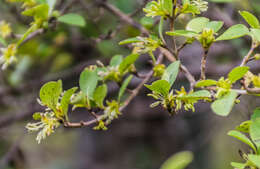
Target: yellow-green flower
5,29
8,55
47,125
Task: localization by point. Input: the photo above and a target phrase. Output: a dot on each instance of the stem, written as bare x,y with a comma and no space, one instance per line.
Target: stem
247,57
203,65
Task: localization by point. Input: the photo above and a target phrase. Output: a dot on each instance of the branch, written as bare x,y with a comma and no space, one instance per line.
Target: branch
247,57
127,102
203,65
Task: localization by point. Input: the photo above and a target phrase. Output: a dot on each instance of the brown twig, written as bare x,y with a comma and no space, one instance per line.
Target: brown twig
203,65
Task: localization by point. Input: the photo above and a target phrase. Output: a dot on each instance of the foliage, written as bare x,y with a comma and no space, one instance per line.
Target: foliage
92,93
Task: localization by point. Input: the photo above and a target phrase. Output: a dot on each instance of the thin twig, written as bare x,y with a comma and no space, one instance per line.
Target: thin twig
203,65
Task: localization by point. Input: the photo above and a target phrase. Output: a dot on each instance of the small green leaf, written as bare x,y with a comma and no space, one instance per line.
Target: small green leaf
238,165
168,6
256,114
244,126
171,72
66,100
224,105
116,60
215,25
130,40
50,93
100,94
123,87
199,94
178,161
197,24
187,34
206,83
254,159
127,62
160,87
161,29
40,11
250,19
237,73
190,8
255,132
72,19
88,82
238,135
235,31
255,34
37,116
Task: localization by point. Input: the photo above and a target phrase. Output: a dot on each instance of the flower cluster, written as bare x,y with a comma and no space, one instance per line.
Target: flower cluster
47,125
8,55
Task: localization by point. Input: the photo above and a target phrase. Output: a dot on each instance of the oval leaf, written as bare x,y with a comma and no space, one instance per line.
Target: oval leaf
197,24
234,32
72,19
238,135
171,72
88,82
237,73
124,86
250,19
224,105
50,93
178,161
160,86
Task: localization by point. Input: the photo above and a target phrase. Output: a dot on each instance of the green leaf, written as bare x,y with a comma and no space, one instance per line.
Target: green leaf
168,6
160,87
116,60
237,73
250,19
171,72
178,161
130,40
206,83
190,8
255,132
256,114
198,94
123,87
88,82
244,126
238,165
127,62
185,33
100,94
66,100
161,29
50,93
255,34
72,19
238,135
215,25
224,105
254,159
38,12
197,24
235,31
37,116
